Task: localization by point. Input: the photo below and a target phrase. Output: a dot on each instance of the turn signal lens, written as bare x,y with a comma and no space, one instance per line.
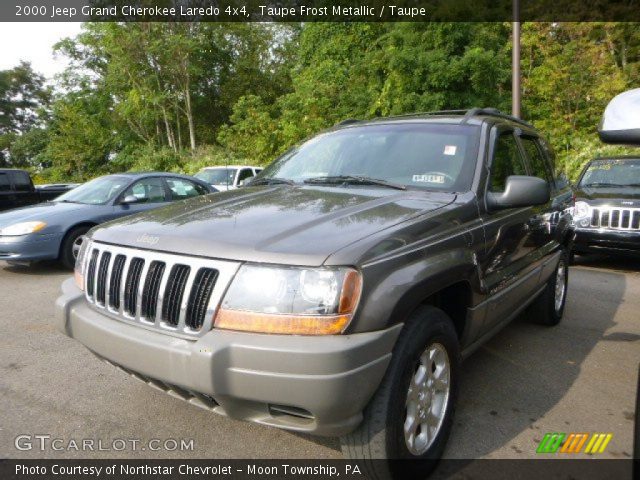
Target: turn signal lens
81,260
281,324
79,278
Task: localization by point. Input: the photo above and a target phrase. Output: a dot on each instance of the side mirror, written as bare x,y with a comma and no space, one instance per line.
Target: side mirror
621,120
129,199
520,191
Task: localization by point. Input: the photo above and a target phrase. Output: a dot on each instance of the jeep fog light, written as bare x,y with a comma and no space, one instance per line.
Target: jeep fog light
290,300
81,260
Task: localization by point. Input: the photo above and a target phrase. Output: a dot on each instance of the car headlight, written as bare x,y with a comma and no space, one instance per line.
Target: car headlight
22,228
290,300
581,210
81,260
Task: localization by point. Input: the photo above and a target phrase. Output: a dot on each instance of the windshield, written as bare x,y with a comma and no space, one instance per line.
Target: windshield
217,176
430,156
612,173
95,192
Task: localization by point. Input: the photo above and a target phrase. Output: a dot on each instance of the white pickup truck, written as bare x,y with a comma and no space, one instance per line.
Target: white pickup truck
227,178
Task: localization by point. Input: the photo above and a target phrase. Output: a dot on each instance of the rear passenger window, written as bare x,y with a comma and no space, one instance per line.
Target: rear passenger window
5,185
507,161
21,181
181,189
536,160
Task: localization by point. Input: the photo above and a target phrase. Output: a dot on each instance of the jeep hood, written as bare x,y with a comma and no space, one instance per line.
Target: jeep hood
608,195
293,225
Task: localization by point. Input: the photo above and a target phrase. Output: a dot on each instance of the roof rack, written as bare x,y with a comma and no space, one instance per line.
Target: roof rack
467,113
492,112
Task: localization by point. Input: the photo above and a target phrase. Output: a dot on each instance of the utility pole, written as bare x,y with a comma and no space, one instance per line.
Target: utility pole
515,62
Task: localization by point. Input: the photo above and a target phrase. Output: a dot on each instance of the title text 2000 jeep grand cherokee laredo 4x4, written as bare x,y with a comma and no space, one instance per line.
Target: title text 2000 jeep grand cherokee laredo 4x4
337,293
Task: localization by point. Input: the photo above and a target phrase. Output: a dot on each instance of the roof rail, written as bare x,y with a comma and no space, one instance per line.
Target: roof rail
492,112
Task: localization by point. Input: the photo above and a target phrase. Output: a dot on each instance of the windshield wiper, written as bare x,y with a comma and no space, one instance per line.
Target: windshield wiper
271,181
353,179
602,184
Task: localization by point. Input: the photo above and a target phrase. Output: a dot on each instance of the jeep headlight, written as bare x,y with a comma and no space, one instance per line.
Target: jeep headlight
81,260
581,210
290,300
22,228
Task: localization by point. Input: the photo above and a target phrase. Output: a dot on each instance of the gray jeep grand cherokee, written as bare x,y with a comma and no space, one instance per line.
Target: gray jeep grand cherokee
338,292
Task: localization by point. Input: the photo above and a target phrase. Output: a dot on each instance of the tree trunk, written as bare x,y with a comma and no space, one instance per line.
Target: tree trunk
170,139
192,132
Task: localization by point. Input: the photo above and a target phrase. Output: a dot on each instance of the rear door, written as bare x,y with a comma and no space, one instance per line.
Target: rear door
553,219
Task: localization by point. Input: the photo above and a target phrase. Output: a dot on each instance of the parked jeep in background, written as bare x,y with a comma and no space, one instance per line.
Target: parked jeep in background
607,211
339,291
17,189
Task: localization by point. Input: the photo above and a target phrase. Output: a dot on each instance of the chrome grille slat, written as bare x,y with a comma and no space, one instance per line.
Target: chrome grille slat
140,288
151,290
162,289
115,294
186,294
182,306
174,294
615,218
132,283
91,270
123,283
101,278
107,287
204,284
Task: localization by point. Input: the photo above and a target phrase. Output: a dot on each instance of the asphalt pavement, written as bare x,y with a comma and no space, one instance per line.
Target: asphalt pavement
580,376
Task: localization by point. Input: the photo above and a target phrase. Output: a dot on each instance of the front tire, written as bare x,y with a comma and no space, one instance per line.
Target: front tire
71,246
411,414
548,308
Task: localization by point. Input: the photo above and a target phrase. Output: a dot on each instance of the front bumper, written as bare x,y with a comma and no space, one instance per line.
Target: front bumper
616,242
318,385
32,247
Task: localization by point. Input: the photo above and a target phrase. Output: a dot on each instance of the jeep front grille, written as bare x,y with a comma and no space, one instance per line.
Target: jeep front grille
616,218
172,293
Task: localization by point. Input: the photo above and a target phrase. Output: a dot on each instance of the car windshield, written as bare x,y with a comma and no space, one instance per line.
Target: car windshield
428,156
612,173
217,176
95,192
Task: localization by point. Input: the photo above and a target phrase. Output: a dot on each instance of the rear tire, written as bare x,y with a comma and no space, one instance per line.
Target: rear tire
407,422
548,308
71,245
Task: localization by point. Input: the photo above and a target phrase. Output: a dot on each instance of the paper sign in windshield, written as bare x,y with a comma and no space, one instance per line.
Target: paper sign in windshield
450,149
430,178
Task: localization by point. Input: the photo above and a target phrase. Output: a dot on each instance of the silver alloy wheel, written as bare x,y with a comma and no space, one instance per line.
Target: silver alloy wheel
561,285
75,248
427,399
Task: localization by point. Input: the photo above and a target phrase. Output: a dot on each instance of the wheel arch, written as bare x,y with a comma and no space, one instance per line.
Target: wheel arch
70,229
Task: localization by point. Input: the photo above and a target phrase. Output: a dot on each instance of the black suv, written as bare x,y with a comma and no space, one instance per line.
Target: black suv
339,291
607,210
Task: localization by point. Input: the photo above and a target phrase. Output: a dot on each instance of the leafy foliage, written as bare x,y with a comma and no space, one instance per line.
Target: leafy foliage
162,96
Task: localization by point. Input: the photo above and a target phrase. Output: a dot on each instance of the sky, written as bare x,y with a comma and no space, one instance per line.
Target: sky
34,42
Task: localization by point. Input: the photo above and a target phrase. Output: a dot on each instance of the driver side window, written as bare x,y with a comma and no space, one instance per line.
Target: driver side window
507,161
